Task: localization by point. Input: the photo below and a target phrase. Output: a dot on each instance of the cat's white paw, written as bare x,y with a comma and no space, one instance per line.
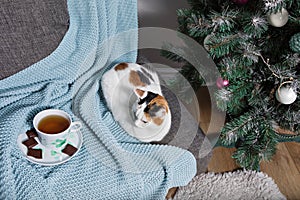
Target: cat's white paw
141,123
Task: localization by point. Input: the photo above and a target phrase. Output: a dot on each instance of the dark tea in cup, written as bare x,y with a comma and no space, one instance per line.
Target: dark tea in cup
53,124
53,127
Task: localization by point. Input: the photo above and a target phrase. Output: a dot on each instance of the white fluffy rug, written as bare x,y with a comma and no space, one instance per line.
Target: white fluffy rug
239,185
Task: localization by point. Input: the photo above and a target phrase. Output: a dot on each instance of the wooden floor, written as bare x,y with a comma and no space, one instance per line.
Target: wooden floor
284,167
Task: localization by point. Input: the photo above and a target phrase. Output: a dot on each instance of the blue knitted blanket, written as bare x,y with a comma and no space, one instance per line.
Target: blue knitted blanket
110,164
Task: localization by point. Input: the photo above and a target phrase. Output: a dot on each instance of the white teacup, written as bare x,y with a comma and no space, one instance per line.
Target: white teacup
53,128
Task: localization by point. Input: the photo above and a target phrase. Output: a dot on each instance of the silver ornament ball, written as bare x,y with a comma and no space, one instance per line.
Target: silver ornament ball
286,95
278,19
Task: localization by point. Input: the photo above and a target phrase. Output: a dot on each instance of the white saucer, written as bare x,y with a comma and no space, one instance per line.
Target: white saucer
50,157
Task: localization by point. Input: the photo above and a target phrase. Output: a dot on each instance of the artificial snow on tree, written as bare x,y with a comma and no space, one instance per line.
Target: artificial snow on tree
255,45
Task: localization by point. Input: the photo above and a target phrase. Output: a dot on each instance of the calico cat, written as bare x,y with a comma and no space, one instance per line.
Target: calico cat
133,94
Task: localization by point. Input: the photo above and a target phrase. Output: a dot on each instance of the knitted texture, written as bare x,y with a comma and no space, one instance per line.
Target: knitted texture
110,164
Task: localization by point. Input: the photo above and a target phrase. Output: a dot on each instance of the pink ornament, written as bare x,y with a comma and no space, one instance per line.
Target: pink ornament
222,83
240,2
225,82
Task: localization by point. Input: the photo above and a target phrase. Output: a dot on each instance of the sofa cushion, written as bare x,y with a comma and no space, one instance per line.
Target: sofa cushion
30,31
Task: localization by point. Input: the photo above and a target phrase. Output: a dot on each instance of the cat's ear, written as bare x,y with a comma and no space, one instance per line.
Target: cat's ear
139,92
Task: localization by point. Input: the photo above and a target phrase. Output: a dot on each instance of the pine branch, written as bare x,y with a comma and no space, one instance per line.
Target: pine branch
256,59
220,44
233,99
254,25
258,144
274,6
172,56
225,21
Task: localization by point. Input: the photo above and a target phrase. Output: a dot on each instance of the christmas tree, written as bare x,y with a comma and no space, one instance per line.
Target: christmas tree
255,45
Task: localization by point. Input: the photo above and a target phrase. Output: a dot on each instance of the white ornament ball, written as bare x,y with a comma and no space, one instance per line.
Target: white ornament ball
286,95
279,19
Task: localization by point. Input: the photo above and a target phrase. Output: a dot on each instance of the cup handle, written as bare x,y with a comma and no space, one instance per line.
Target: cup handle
75,126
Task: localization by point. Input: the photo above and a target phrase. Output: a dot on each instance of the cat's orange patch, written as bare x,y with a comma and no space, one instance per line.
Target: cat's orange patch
121,66
158,121
135,79
160,101
140,92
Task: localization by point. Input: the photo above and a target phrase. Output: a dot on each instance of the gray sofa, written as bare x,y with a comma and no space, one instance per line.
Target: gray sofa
30,30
